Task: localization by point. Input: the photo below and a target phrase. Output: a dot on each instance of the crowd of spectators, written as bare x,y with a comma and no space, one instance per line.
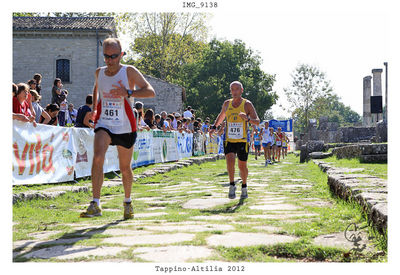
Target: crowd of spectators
187,122
27,108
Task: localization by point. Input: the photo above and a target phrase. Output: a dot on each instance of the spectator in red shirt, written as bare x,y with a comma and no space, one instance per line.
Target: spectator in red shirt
22,104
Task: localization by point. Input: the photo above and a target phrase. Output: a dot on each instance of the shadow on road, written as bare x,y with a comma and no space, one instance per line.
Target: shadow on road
228,209
78,235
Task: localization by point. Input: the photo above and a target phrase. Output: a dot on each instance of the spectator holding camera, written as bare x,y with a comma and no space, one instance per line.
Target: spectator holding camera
38,78
57,93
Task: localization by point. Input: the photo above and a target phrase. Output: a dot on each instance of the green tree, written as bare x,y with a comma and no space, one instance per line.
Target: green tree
164,42
222,62
164,57
308,84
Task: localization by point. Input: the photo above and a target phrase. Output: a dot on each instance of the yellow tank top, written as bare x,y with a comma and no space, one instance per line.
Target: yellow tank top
236,130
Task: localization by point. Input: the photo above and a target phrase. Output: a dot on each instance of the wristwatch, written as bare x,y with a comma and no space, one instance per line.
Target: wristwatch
130,93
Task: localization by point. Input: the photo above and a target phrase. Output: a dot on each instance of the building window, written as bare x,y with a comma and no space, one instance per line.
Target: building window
63,70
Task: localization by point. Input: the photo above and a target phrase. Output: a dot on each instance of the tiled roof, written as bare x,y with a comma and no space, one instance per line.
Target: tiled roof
64,23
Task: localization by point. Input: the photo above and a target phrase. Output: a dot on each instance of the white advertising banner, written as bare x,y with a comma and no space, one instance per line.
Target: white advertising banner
83,140
185,144
49,154
165,148
143,153
42,154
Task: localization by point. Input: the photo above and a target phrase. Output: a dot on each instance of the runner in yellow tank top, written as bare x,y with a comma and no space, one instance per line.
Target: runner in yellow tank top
238,112
237,127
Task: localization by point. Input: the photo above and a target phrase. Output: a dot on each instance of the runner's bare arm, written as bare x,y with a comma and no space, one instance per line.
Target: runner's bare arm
222,114
136,78
96,75
251,113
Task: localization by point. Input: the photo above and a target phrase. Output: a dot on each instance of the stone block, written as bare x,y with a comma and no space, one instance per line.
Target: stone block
379,216
382,158
320,155
373,149
315,146
303,153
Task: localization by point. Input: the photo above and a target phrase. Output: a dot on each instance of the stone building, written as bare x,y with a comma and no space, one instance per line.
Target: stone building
70,48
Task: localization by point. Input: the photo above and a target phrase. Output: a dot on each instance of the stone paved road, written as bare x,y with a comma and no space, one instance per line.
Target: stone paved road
265,218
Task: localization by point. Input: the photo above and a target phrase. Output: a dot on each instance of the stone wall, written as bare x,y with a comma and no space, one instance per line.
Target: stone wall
356,134
38,54
368,191
369,153
329,132
169,97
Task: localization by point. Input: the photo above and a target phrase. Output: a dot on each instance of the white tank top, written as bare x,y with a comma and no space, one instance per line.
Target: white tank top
114,113
265,135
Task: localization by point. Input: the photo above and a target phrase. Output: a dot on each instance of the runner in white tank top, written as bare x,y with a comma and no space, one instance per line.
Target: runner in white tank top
115,122
115,112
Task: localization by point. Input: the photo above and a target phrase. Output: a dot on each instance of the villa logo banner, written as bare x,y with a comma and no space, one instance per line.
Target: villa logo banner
44,154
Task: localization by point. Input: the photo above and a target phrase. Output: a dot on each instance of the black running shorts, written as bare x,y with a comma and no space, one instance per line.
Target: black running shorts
239,148
125,140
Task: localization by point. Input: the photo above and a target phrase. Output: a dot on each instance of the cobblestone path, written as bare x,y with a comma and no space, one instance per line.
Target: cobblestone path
191,219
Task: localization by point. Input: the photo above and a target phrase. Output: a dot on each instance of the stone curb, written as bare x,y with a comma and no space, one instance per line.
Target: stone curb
368,191
61,190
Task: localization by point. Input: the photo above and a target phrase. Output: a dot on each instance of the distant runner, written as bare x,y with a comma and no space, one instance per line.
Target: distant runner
257,141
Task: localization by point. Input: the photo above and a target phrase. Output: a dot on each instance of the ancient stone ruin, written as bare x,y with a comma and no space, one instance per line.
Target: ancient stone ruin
353,141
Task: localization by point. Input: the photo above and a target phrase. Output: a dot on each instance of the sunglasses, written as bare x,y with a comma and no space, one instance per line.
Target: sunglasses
113,56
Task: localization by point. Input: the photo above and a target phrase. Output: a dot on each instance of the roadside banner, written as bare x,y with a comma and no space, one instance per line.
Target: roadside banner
42,154
83,139
286,125
143,153
49,154
164,146
198,144
184,144
212,144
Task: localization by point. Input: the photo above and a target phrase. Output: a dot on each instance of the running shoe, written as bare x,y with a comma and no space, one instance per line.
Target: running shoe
232,191
128,210
244,193
92,211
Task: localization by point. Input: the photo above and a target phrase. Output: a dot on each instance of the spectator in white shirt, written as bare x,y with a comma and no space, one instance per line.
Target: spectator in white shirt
71,114
188,113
